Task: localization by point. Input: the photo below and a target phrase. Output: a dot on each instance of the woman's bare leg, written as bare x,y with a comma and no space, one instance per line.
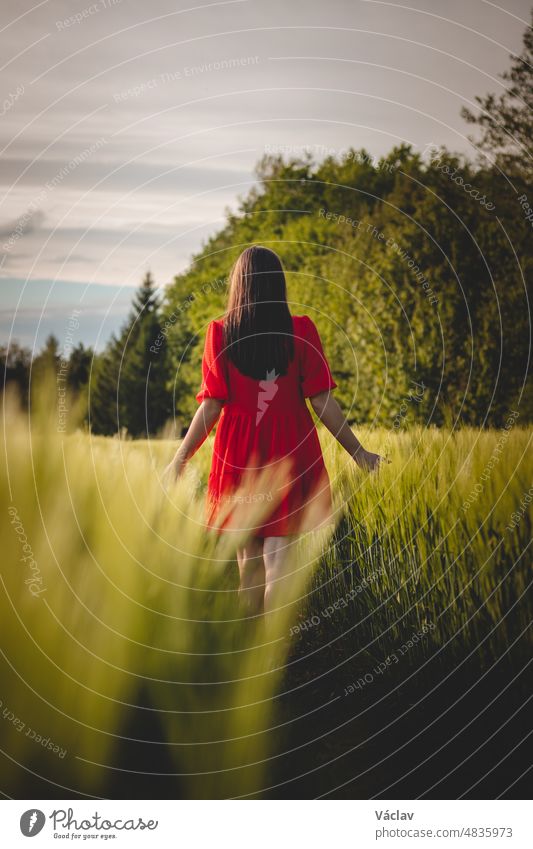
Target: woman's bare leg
252,572
276,552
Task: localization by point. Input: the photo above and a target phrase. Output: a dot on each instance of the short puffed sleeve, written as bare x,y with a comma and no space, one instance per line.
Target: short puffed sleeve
315,372
214,382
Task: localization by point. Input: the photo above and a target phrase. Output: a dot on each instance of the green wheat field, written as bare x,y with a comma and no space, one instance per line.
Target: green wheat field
128,666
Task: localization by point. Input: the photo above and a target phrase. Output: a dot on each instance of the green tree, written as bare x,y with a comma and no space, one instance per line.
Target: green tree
16,363
506,120
79,367
47,361
103,409
130,382
143,392
407,275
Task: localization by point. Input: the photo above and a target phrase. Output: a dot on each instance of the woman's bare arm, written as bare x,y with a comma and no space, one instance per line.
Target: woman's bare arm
331,415
203,422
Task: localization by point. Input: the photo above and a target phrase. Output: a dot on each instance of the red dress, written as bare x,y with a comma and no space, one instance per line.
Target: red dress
266,424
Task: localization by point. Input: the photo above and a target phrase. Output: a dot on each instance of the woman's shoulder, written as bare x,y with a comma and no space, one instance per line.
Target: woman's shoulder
302,324
215,328
214,336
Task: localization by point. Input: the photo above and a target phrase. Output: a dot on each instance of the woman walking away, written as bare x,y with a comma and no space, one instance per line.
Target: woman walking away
260,365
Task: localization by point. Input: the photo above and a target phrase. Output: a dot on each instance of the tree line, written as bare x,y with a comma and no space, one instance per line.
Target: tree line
123,389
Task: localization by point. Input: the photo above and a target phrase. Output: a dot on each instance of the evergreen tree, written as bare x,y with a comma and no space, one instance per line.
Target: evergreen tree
129,388
47,361
103,412
16,363
143,394
79,367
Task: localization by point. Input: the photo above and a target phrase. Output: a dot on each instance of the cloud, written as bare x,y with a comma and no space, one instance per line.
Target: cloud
29,222
176,106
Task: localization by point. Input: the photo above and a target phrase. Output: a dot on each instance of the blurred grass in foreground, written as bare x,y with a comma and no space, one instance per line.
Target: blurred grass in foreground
122,589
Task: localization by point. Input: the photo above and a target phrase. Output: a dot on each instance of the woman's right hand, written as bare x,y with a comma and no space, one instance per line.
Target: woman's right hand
368,461
174,470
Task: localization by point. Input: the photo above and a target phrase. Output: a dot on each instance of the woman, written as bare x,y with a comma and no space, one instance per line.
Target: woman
259,365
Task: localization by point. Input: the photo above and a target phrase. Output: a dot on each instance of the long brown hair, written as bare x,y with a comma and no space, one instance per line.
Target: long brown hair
258,332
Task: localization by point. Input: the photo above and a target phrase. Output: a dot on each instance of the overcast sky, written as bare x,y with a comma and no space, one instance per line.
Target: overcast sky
127,128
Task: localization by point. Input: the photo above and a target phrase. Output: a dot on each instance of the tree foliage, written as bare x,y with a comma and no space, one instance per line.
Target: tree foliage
130,384
408,268
505,121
